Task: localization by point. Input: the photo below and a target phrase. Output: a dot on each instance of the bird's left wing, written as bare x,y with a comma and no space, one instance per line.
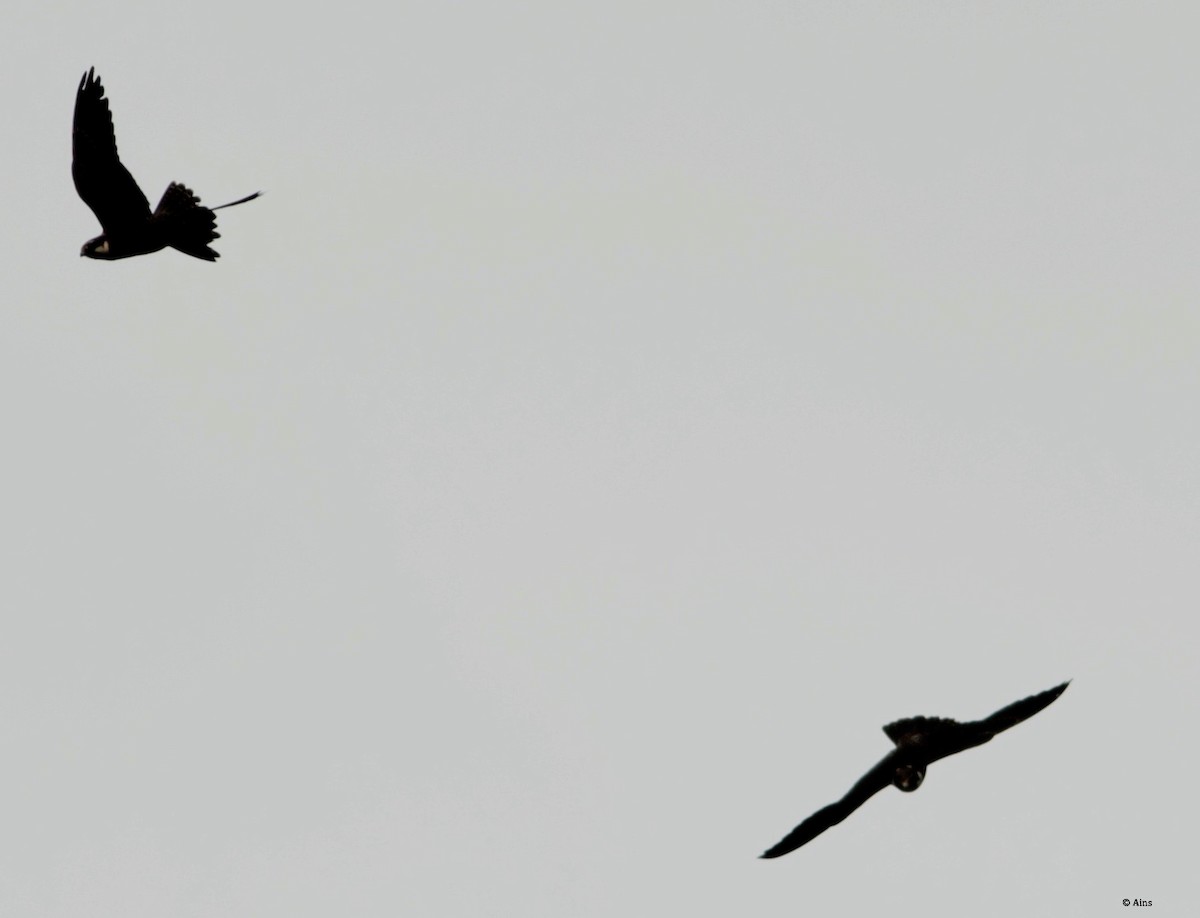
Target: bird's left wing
868,786
1018,711
104,184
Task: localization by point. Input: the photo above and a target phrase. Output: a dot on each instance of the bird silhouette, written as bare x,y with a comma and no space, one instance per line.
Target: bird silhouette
180,220
919,741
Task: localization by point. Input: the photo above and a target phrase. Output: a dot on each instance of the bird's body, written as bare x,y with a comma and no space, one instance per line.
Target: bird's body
130,227
920,741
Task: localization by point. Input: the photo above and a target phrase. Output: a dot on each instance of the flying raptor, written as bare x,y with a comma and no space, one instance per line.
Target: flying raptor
180,220
919,741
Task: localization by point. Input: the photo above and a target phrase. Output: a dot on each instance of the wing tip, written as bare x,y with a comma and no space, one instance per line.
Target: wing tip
1059,689
249,197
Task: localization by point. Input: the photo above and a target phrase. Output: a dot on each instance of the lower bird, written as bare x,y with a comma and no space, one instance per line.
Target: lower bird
920,741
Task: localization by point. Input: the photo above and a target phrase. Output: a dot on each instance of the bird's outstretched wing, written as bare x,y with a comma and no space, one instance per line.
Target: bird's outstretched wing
935,738
104,184
867,787
1019,710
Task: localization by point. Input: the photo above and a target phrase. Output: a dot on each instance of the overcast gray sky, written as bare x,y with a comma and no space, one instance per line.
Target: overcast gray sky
607,420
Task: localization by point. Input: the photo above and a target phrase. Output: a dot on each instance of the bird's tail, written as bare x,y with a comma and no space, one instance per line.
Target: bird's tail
187,224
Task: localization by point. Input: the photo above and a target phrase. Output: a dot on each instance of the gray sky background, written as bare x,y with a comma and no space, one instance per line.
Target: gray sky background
608,419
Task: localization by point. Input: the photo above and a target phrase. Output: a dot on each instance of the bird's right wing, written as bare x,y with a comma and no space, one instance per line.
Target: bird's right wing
104,184
868,786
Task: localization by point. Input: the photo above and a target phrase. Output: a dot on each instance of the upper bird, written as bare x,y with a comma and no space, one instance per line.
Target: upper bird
919,742
179,221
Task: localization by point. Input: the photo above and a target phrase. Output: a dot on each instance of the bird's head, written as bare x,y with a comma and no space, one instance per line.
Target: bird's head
909,777
96,248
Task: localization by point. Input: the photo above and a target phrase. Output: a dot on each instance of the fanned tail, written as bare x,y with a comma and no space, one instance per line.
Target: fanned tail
186,224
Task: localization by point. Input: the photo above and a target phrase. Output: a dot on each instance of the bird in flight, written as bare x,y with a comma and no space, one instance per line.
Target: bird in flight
919,741
180,220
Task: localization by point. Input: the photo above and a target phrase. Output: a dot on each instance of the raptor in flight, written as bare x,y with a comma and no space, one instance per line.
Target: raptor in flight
919,741
180,220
